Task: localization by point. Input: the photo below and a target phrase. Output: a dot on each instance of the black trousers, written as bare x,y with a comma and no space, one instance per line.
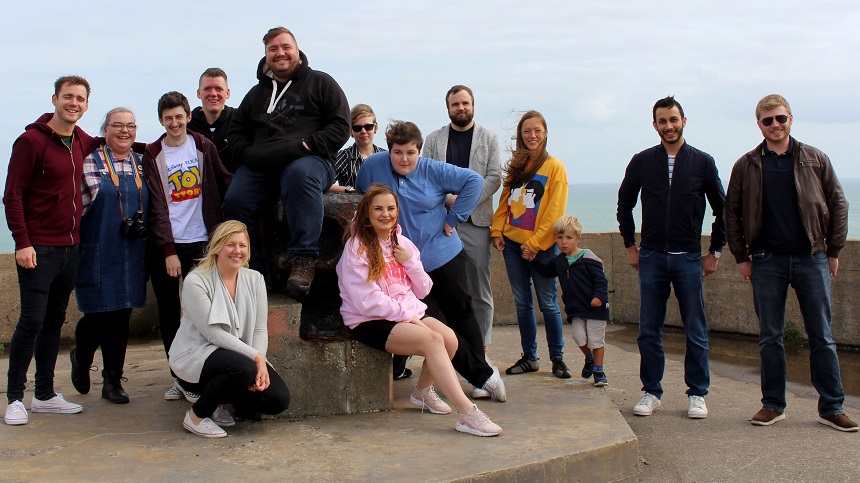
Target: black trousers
226,377
450,302
166,288
108,330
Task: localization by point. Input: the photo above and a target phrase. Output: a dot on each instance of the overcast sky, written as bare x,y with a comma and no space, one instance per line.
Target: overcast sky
594,69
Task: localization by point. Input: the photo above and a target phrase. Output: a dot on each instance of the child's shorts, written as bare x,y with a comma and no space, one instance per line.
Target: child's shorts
589,332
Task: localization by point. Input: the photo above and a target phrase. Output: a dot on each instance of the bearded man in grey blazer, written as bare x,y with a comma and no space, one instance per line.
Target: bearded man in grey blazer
466,144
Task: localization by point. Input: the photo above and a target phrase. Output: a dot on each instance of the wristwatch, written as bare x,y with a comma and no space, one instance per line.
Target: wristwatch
716,254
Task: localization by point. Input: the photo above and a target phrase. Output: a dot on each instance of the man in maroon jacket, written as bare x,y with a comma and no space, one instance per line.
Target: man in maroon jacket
43,211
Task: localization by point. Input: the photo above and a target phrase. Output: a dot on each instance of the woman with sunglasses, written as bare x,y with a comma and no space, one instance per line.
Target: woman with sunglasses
112,272
349,160
381,281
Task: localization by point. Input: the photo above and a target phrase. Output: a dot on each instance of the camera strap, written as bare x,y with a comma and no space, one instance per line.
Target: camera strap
114,177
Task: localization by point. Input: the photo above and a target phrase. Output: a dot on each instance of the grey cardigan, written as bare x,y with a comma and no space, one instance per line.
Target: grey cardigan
212,320
484,159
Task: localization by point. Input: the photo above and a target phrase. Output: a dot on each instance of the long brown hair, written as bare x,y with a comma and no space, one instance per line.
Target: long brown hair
363,231
521,167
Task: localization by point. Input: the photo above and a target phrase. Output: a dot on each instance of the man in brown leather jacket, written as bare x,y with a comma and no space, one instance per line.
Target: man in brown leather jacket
786,221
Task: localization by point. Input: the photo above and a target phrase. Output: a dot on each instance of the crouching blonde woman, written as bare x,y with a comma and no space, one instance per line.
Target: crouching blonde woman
220,349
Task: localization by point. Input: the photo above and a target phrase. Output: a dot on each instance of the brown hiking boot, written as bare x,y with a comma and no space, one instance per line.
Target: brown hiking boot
766,417
839,421
301,277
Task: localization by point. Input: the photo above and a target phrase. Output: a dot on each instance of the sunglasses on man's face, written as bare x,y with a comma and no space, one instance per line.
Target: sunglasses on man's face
767,121
366,127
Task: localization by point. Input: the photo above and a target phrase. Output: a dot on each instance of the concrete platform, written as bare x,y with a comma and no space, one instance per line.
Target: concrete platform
554,430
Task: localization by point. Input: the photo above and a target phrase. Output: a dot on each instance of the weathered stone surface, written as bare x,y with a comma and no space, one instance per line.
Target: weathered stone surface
329,377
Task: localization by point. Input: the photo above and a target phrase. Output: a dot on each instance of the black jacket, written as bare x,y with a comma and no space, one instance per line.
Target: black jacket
580,282
218,137
314,110
672,215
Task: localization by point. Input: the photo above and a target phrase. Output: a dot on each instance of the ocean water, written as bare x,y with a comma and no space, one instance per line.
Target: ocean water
594,205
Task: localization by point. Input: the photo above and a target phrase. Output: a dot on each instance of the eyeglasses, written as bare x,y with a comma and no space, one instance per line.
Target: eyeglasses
366,127
119,126
767,121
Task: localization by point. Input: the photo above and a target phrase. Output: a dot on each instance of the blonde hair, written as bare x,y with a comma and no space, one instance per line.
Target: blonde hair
565,223
361,110
219,238
771,101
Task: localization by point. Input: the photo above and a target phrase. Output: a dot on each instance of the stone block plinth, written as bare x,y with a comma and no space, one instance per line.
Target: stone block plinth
325,377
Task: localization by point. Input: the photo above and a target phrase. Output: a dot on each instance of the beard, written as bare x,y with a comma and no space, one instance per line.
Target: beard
461,120
679,133
285,74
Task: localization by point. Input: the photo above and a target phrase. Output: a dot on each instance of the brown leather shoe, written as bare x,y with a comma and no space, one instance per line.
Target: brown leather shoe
766,417
301,277
841,422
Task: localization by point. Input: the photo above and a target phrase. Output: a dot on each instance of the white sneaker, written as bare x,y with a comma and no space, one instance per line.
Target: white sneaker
207,428
647,405
697,409
481,393
222,416
496,386
477,423
16,414
56,404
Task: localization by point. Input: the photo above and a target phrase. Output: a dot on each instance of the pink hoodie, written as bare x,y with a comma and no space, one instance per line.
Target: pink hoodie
393,297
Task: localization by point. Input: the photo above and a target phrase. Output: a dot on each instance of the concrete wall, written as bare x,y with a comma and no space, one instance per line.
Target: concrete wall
728,298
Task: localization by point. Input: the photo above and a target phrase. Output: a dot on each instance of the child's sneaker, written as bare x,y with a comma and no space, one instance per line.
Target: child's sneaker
523,365
428,399
477,423
600,379
588,368
559,368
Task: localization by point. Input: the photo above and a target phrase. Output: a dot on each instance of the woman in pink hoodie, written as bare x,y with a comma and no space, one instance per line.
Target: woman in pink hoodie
381,280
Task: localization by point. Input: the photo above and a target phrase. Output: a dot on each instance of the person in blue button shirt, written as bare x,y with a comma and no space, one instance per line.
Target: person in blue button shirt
421,185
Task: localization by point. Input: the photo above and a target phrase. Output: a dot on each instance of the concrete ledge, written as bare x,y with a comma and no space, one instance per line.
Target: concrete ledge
343,376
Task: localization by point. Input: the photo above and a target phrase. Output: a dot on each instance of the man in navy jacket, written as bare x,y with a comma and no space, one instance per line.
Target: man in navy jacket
674,179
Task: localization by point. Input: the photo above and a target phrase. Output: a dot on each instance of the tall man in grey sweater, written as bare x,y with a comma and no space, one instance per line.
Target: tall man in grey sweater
466,144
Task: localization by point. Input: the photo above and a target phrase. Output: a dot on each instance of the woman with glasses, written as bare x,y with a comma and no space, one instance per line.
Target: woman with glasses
349,160
112,273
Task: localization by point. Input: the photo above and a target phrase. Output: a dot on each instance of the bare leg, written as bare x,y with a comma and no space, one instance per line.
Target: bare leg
598,356
437,344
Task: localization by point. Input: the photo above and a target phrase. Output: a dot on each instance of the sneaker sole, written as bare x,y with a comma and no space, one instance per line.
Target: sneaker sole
641,412
768,423
838,428
481,394
57,410
204,435
225,424
511,372
465,428
421,405
697,416
16,422
603,384
172,398
562,375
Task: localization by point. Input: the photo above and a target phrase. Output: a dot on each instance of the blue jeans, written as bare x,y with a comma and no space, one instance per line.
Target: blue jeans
683,272
521,275
45,292
301,185
810,277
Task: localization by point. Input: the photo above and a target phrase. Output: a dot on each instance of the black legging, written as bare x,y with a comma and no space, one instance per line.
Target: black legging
108,330
226,377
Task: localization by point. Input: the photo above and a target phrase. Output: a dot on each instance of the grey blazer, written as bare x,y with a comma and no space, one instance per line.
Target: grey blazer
484,159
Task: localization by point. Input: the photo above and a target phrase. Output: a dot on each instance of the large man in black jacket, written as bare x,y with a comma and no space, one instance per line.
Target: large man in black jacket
285,136
674,178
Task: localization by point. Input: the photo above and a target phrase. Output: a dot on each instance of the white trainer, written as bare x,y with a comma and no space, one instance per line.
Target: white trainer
647,405
207,428
496,386
16,414
481,393
697,409
56,404
173,394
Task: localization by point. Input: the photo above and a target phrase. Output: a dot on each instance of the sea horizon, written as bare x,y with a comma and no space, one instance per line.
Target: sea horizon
595,206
